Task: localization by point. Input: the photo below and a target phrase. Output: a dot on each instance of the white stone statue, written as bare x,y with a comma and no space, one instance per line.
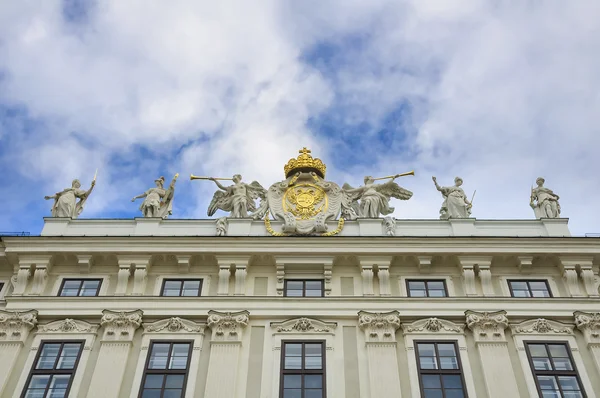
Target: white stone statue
238,199
65,202
372,200
456,204
158,201
543,201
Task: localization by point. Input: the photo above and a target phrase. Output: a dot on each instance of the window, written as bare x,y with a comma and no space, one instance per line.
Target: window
181,287
303,369
53,370
166,370
80,287
426,288
554,371
303,288
440,374
530,288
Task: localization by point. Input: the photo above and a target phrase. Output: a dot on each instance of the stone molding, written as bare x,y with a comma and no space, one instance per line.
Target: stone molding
120,325
541,326
15,326
227,326
487,326
379,326
68,325
432,325
589,324
304,325
174,325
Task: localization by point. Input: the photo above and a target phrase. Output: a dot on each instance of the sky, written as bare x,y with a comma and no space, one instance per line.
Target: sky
496,92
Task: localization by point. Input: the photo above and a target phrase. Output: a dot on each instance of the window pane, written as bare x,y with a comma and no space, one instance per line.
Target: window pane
313,363
538,285
293,362
181,350
428,363
158,357
314,293
426,350
313,381
314,285
540,293
172,288
293,350
312,393
431,381
292,381
437,293
558,350
415,285
48,356
537,350
433,393
418,293
562,364
151,394
75,284
547,383
58,386
191,288
435,285
172,393
292,393
550,394
572,394
174,381
312,350
39,382
519,285
69,292
153,381
295,285
35,394
454,393
57,393
542,364
178,363
90,288
452,381
68,356
448,363
446,350
568,383
521,293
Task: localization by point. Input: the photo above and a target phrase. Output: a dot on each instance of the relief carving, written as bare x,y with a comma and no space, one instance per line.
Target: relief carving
303,325
15,326
542,326
68,325
174,325
487,326
379,327
432,325
227,325
120,325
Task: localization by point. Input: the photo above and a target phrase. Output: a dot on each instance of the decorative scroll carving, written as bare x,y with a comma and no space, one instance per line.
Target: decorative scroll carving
589,324
227,325
120,325
174,325
487,326
15,326
542,326
303,325
389,225
379,327
68,325
432,325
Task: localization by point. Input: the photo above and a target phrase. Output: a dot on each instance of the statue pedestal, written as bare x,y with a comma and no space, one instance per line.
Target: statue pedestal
463,226
370,226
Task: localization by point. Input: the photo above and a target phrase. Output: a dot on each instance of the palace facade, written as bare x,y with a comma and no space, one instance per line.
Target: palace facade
410,308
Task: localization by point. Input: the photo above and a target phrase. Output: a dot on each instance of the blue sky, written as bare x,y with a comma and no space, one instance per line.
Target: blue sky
496,92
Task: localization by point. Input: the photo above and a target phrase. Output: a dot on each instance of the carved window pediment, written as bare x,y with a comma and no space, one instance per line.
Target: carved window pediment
542,326
303,325
68,326
174,325
432,325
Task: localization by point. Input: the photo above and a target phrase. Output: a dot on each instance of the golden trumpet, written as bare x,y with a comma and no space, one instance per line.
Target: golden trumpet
193,177
410,173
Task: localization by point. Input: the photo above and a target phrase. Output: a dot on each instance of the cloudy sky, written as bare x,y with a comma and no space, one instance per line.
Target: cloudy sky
497,92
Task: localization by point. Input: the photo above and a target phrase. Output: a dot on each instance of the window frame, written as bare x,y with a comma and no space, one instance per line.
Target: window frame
182,280
407,281
574,372
147,371
302,372
528,281
33,371
64,280
285,287
459,371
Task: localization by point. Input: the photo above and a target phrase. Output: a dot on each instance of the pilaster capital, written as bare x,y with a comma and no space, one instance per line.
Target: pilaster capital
15,326
589,324
379,326
227,326
487,326
68,325
120,325
576,262
174,325
37,260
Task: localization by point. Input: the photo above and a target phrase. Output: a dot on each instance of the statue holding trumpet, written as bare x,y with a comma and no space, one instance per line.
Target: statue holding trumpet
372,200
238,199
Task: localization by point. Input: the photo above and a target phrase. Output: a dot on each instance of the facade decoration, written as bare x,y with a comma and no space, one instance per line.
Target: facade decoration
227,325
544,201
303,325
16,325
70,201
372,200
380,326
174,325
238,199
68,325
158,201
589,324
487,326
389,223
456,204
120,325
221,225
432,325
542,326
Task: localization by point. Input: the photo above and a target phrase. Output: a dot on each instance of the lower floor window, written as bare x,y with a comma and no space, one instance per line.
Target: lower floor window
166,370
303,369
440,372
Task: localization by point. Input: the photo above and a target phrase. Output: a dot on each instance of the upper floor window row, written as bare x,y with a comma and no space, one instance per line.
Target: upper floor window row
529,288
181,287
80,287
304,288
426,288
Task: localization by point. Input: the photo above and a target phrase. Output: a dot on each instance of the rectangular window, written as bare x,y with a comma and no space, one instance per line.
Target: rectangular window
426,288
302,369
53,370
80,287
181,287
303,288
165,375
529,288
440,374
554,371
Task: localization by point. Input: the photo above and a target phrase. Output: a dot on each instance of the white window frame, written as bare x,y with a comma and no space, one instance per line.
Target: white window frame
550,279
160,278
103,286
404,290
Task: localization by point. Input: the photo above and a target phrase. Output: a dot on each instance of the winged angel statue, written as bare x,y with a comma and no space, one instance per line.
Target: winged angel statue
238,199
372,200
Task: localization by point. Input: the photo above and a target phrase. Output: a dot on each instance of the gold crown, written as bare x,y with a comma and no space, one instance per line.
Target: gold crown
304,162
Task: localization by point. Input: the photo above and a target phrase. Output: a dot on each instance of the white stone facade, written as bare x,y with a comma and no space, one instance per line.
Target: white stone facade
239,322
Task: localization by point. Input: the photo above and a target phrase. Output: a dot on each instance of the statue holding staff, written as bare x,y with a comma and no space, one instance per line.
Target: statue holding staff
158,202
238,199
372,200
544,201
456,204
65,202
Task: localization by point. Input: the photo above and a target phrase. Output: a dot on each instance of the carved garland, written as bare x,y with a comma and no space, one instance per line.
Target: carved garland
434,325
174,325
302,325
543,326
68,325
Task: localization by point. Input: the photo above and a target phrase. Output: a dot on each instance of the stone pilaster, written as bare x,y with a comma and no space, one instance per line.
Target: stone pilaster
224,274
240,279
123,277
42,264
14,330
488,331
119,329
367,279
380,336
227,329
21,280
589,324
384,281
